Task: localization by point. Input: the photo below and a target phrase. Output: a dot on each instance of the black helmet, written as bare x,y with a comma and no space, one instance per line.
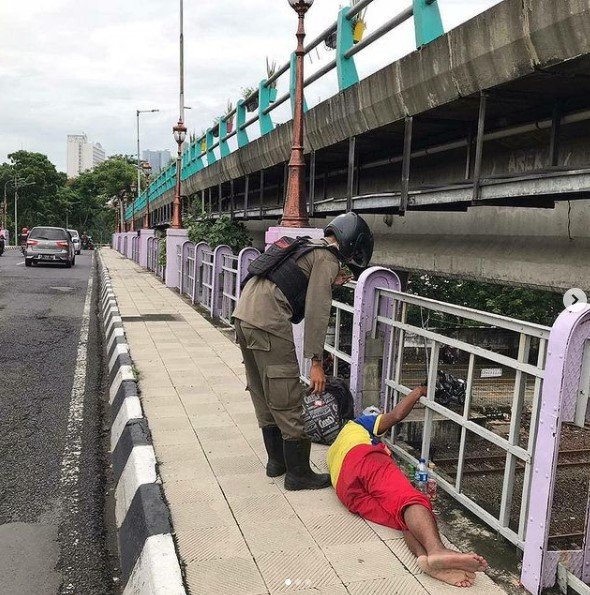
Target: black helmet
355,240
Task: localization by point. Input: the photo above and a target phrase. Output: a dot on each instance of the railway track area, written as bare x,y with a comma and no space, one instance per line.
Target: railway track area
490,464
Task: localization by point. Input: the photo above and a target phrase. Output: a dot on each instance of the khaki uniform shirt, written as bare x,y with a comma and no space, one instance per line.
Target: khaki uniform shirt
263,305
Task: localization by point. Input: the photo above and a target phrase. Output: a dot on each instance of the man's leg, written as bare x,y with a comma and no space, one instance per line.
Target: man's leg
251,340
421,524
284,396
410,512
439,562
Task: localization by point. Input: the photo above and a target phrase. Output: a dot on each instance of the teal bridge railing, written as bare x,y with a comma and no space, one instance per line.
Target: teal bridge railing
201,153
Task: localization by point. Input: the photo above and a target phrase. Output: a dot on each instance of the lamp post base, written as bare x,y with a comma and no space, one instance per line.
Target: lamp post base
275,233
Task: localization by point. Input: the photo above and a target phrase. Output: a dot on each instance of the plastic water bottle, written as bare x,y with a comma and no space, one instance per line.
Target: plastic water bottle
431,485
421,475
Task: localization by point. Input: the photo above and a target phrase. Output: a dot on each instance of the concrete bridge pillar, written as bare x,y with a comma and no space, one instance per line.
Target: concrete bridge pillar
175,238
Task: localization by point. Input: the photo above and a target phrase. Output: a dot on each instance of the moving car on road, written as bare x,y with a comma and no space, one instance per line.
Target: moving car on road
50,244
76,240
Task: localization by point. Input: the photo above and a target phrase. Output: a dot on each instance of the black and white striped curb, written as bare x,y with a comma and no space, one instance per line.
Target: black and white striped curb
149,564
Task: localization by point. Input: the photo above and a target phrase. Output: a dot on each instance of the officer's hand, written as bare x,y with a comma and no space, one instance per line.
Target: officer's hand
343,277
317,378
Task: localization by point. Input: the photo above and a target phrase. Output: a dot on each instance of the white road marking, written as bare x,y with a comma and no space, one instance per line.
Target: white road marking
70,463
19,264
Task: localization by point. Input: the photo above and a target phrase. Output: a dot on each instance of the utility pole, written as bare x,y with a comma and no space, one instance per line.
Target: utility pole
22,183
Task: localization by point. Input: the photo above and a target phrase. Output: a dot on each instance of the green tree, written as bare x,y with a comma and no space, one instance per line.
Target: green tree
523,303
36,200
92,190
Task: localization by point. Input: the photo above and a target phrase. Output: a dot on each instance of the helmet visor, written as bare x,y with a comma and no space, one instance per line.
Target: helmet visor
363,250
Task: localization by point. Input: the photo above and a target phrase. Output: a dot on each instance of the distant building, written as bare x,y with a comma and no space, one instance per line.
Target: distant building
83,155
157,159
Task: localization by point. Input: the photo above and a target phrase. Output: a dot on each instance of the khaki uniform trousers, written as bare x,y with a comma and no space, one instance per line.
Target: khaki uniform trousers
272,373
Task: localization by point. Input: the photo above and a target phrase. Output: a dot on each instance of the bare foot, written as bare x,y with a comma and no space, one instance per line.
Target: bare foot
451,576
448,559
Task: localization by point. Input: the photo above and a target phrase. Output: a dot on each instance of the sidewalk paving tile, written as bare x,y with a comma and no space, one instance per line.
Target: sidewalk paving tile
363,561
402,584
285,534
238,531
225,576
280,569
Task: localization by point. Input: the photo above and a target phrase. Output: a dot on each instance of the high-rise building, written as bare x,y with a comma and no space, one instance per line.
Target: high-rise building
157,159
83,155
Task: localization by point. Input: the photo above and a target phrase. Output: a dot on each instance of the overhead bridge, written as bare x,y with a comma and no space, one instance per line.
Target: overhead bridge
475,144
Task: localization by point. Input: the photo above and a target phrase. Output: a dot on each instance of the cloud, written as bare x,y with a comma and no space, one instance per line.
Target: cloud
71,66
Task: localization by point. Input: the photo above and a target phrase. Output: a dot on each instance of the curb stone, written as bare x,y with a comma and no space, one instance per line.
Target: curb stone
149,563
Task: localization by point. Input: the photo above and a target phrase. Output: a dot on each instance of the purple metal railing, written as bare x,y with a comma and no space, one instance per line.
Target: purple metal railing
233,271
564,399
187,283
160,268
200,249
135,249
150,256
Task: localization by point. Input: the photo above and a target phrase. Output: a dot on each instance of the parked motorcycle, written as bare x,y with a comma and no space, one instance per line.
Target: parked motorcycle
450,390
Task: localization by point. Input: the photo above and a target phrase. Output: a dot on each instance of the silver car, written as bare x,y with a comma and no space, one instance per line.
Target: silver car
76,239
50,244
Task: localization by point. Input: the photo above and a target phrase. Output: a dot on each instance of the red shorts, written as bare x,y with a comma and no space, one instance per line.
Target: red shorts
371,485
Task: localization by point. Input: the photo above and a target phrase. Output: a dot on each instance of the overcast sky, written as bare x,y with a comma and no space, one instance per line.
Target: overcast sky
73,66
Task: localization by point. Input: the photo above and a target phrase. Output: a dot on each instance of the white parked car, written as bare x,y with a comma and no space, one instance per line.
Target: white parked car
76,240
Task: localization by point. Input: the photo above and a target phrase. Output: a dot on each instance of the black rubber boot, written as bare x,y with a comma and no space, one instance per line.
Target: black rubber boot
273,441
299,474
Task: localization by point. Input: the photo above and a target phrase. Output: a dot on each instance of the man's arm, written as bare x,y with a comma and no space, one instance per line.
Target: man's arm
401,410
318,304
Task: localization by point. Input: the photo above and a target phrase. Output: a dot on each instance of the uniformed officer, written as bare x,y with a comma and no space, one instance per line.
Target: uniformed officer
301,289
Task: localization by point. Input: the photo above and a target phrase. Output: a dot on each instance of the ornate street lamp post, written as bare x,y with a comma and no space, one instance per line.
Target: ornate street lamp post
147,170
133,199
179,136
179,133
295,208
124,204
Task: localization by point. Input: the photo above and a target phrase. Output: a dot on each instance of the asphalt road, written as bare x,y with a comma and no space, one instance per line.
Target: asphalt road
53,534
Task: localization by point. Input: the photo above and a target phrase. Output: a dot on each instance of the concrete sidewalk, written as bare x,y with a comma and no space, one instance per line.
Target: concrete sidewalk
237,531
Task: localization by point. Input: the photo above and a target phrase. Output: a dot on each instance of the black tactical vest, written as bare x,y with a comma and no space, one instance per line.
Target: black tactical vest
279,265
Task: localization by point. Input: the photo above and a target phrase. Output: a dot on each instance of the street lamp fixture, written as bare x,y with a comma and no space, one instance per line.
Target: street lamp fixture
179,136
295,207
298,5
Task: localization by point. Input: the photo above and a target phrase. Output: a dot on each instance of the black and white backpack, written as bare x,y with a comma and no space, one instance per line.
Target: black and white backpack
324,415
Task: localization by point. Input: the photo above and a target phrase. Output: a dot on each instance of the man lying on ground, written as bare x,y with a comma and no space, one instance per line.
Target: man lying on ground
370,484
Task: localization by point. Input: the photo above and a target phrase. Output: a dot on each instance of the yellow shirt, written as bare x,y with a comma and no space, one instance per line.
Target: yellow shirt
362,430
